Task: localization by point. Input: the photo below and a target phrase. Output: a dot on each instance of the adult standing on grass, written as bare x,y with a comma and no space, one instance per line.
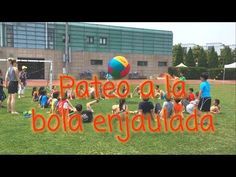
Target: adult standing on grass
12,80
23,78
182,78
204,96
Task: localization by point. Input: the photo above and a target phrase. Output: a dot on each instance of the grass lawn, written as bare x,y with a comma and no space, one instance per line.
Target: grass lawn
17,137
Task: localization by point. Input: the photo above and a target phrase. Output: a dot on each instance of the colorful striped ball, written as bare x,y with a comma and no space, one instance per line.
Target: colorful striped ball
118,67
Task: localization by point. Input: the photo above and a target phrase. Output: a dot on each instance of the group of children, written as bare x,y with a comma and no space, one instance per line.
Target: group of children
62,105
172,105
186,104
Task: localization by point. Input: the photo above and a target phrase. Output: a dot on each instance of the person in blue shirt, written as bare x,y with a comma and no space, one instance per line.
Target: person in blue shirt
204,96
44,99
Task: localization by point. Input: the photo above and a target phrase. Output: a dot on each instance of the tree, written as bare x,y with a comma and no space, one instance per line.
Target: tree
184,54
189,59
212,58
226,55
177,54
202,58
196,51
234,55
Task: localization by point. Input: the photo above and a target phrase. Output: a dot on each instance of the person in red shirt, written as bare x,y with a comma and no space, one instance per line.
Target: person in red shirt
178,107
64,106
191,96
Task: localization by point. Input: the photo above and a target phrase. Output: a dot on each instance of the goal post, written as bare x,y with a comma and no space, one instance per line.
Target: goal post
37,61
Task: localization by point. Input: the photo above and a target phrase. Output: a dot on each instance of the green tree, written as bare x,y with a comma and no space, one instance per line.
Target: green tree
212,58
189,59
234,55
177,54
202,58
196,51
226,55
184,54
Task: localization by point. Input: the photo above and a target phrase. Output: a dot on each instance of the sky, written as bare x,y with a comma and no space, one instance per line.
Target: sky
189,32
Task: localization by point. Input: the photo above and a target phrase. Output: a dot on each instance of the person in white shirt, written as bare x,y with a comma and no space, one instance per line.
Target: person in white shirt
193,104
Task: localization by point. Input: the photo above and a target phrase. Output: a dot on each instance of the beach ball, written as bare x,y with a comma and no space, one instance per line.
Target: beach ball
25,112
118,67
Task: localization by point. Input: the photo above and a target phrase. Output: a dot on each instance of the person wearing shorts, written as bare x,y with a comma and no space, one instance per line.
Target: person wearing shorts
204,94
12,80
86,115
23,78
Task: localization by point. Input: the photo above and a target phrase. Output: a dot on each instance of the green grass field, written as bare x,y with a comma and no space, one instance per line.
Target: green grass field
17,137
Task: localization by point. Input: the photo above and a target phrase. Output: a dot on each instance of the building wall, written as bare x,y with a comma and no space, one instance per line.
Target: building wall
119,39
39,35
45,40
81,61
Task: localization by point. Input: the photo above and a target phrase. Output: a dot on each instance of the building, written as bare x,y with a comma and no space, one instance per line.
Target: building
218,46
186,47
89,47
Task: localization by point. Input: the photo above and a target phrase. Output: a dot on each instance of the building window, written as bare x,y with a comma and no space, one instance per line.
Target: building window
162,63
210,48
103,41
50,38
185,49
96,62
90,40
142,63
9,36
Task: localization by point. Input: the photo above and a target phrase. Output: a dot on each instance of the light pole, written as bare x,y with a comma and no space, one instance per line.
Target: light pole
66,48
65,55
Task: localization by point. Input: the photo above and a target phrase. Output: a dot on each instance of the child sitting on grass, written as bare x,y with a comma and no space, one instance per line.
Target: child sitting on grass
120,108
86,115
187,98
158,108
146,107
91,90
159,93
193,104
168,105
215,108
178,107
35,94
81,90
70,94
43,99
64,106
41,89
136,90
54,89
50,96
191,96
54,102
